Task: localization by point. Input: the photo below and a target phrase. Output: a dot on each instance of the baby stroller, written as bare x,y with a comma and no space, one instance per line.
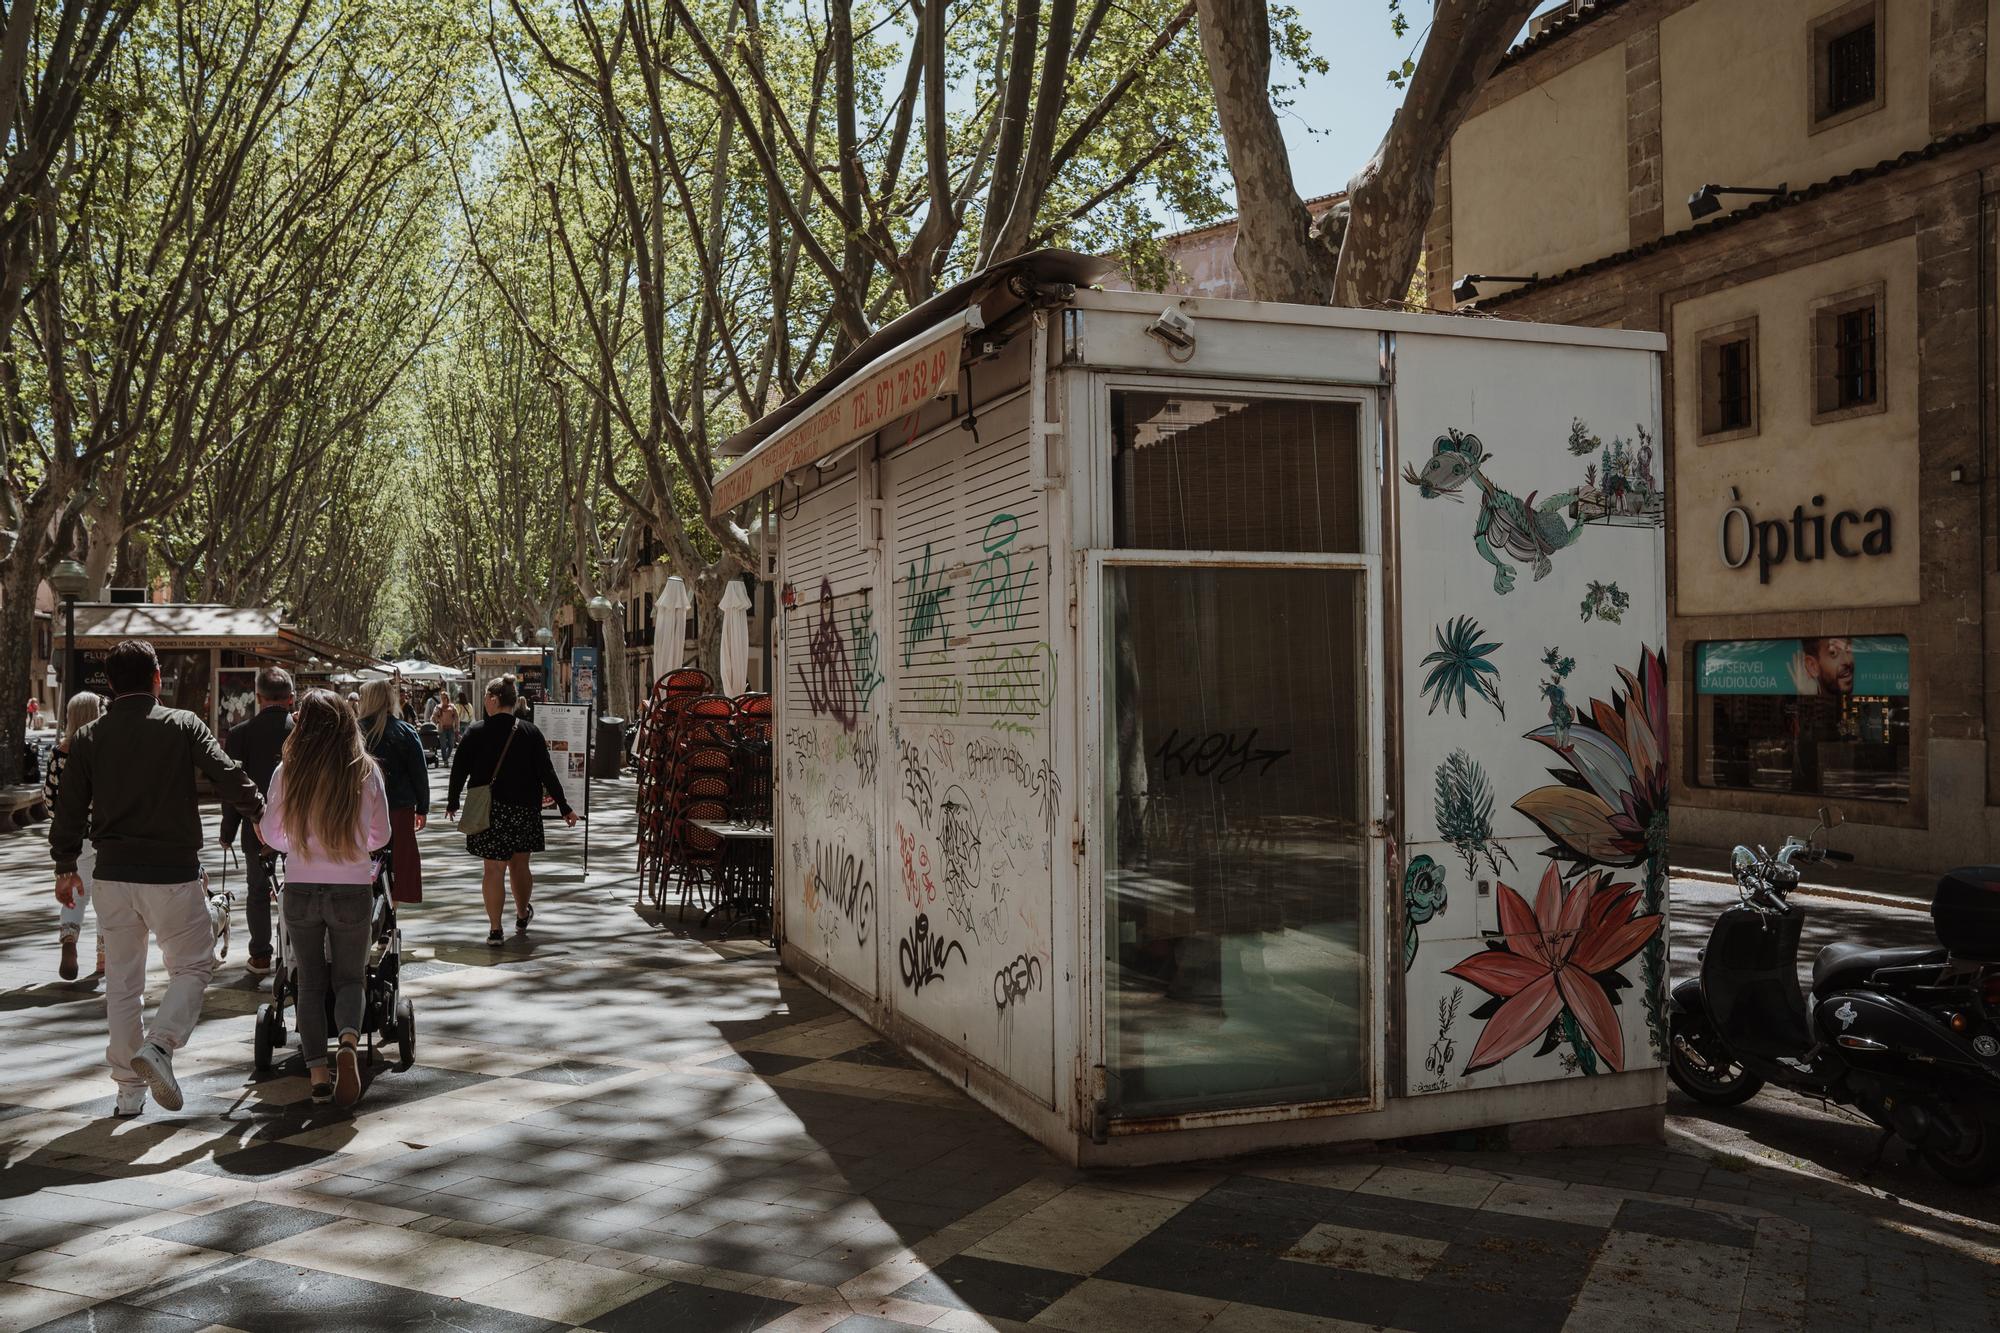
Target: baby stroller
428,734
385,1014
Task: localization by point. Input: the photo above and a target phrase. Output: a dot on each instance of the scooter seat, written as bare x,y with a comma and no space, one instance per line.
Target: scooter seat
1842,965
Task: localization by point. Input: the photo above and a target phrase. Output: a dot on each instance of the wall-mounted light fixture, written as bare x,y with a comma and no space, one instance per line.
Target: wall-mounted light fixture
1707,199
1467,287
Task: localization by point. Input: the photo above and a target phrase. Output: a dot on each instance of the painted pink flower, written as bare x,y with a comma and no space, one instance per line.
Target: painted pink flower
1564,953
1608,806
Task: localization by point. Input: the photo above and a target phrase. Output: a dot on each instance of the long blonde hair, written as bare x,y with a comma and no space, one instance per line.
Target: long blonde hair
326,771
84,709
378,704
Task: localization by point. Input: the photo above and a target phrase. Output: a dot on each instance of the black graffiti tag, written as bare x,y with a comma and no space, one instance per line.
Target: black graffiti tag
917,779
839,885
1016,979
921,956
958,837
1221,755
832,686
984,758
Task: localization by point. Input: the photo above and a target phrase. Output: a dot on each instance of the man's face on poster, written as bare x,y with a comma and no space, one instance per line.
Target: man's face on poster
1831,663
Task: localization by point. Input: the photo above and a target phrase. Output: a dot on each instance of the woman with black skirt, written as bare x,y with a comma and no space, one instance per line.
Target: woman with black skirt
507,752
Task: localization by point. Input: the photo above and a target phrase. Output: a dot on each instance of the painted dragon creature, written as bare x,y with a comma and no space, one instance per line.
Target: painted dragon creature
1525,530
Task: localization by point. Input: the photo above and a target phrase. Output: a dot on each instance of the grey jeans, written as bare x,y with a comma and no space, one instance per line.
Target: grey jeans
326,927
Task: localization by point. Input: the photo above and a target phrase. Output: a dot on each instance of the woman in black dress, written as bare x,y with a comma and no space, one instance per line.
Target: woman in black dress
509,753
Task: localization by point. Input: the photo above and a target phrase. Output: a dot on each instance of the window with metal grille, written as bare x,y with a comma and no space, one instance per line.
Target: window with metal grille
1847,354
1729,380
1854,357
1850,70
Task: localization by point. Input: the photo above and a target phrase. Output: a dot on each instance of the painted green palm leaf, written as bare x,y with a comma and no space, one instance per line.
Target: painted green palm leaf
1459,667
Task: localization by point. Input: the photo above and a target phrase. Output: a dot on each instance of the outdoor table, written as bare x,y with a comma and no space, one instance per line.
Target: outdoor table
753,896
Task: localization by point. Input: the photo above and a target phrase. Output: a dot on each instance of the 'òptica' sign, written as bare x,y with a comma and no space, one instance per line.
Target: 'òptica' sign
1808,533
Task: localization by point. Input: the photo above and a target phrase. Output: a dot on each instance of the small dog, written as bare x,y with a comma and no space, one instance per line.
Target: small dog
220,901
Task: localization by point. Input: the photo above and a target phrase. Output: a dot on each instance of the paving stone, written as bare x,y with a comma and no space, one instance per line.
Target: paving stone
244,1226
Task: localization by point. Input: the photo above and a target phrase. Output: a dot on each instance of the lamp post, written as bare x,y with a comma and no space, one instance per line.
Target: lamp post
70,580
545,636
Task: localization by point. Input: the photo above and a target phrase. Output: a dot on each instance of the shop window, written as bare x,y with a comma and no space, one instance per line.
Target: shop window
1847,355
1207,473
1729,382
1823,716
1847,63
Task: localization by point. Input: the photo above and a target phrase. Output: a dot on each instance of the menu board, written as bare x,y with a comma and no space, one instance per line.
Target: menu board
567,730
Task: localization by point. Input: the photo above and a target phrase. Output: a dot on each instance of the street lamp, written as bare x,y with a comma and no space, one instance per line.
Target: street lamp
599,608
1704,201
545,636
71,581
1467,287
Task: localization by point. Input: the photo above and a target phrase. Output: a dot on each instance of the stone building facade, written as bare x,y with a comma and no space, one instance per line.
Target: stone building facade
1829,435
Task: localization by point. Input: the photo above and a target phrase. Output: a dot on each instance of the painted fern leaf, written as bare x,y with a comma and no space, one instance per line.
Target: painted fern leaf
1460,667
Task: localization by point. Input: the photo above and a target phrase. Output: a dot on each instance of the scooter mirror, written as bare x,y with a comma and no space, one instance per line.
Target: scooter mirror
1830,816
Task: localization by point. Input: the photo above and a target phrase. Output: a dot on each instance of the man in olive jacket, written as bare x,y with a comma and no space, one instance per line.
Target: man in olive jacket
129,786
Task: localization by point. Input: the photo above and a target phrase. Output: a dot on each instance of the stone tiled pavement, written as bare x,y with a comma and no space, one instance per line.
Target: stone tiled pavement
624,1124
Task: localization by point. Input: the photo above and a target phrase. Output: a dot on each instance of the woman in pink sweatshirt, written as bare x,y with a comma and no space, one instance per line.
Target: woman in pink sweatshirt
328,812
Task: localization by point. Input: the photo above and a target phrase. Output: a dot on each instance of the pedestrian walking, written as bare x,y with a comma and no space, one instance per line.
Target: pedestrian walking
129,787
258,743
396,749
84,709
329,810
447,725
516,778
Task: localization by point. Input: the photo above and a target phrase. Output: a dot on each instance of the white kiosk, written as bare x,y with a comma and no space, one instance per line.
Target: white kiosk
1211,725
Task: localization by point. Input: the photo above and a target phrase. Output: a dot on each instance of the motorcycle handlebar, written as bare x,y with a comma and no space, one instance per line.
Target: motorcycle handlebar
1845,857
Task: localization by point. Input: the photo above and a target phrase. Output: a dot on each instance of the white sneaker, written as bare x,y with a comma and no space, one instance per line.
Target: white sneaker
157,1068
131,1101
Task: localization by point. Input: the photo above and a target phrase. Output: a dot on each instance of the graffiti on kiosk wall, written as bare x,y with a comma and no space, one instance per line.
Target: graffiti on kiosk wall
1506,524
1560,713
1464,809
918,779
1013,981
921,956
843,669
1222,756
837,888
1459,667
1012,687
1802,538
925,615
986,760
917,883
998,590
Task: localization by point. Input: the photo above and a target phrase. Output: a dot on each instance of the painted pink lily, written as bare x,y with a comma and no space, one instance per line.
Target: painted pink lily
1552,958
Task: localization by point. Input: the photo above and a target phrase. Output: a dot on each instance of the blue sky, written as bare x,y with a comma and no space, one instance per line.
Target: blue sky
1340,116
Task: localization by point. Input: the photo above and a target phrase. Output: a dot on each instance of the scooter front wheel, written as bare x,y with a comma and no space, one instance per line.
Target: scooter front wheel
1700,1065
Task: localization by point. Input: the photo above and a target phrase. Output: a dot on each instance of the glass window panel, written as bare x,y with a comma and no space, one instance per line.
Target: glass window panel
1823,716
1204,473
1237,851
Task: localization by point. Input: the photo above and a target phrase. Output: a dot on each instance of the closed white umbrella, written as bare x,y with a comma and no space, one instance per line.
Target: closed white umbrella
670,622
735,639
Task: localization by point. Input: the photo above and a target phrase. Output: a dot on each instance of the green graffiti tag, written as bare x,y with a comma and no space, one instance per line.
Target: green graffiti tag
924,613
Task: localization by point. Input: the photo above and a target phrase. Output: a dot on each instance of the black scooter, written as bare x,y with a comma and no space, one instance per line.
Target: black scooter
1910,1037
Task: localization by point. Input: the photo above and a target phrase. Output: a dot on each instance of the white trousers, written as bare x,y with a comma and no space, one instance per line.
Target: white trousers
177,916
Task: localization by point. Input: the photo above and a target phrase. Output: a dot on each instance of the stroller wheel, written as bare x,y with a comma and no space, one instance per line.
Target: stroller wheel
406,1034
267,1023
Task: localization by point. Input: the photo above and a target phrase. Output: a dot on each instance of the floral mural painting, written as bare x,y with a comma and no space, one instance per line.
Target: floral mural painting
1424,894
1608,805
1554,973
1464,809
1460,668
1605,601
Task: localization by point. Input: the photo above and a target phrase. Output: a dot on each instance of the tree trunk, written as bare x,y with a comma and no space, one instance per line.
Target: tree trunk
617,680
22,576
1275,249
1391,197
